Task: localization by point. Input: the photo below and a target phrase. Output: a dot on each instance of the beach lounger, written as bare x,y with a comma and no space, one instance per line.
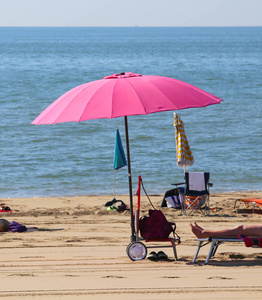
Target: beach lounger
214,242
196,193
252,205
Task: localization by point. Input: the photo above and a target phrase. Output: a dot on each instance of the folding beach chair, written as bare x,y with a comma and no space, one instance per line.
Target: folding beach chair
137,250
196,193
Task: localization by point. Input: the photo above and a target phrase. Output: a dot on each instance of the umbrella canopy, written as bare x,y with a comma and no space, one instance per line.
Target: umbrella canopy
122,95
184,154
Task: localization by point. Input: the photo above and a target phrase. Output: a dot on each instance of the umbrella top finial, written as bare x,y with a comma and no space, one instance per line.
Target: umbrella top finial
122,75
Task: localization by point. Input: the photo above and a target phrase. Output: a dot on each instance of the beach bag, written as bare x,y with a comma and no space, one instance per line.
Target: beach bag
173,201
155,226
255,242
16,227
113,205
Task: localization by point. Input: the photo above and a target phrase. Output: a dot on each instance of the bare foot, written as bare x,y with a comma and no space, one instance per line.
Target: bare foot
197,231
197,226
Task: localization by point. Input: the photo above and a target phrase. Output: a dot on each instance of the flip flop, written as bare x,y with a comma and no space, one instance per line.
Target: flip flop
152,256
161,255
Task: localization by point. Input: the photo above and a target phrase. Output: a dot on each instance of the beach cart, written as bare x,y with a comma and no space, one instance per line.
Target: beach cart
137,250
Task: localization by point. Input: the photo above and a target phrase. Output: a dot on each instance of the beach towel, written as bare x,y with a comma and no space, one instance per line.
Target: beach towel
197,181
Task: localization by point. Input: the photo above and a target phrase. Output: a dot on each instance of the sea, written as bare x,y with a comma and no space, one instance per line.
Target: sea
37,65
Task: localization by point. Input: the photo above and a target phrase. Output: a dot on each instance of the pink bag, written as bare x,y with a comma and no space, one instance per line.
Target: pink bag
255,242
155,226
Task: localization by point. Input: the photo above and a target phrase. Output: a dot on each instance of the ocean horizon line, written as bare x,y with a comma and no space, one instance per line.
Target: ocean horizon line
134,26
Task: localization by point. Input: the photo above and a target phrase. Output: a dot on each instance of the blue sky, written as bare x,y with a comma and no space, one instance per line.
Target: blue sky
130,12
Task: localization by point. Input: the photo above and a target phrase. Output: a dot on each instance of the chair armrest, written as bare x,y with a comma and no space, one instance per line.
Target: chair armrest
210,184
178,183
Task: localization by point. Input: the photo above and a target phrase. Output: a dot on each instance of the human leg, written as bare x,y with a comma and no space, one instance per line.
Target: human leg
246,230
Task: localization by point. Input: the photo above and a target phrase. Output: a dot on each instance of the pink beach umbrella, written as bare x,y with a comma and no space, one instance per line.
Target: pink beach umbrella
122,95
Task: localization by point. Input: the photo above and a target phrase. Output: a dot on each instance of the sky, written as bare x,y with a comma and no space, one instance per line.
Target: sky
111,13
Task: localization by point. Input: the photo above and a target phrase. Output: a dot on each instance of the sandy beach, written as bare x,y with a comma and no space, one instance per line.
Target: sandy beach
79,252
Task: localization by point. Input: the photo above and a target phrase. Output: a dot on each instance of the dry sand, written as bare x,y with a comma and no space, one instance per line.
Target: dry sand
80,253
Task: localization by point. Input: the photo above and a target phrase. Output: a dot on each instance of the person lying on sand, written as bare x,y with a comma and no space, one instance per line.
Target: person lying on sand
14,226
245,230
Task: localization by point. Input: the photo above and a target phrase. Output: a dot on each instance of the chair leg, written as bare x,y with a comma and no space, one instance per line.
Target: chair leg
204,208
175,253
173,242
213,249
207,205
198,248
211,252
192,208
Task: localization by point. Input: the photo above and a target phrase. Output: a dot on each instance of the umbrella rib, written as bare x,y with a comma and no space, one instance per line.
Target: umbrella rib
86,105
160,91
113,91
66,107
137,96
50,108
200,104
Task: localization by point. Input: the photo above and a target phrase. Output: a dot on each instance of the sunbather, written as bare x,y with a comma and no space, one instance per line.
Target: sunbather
245,230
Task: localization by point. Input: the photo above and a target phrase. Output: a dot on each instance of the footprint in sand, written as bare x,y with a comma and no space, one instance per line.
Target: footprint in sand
220,277
22,274
112,276
237,256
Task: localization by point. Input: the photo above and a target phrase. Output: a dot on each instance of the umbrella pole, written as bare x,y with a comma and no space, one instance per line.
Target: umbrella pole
114,184
133,238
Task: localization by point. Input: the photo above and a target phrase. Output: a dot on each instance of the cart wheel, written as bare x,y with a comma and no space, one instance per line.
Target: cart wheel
136,251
